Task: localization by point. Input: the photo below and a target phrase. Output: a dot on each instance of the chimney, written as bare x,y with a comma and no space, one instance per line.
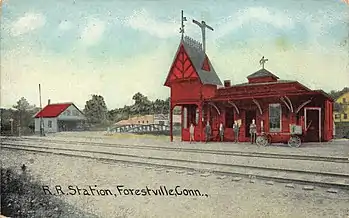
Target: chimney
226,83
48,101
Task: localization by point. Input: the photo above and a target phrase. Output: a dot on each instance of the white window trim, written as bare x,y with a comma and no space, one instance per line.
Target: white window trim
273,129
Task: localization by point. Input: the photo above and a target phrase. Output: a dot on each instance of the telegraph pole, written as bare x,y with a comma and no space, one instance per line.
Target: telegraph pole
41,121
203,27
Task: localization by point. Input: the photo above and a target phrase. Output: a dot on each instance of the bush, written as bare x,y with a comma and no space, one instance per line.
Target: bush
23,197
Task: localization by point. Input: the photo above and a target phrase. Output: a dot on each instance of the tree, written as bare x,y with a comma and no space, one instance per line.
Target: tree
142,105
161,106
96,110
118,114
23,115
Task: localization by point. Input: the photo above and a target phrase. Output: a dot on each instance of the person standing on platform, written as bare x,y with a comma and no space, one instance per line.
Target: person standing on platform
191,132
208,132
236,129
221,131
253,131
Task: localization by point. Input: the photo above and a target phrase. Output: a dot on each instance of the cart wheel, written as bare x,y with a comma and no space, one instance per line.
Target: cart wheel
294,141
269,139
261,141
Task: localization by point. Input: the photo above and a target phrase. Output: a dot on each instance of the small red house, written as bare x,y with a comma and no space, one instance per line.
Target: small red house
59,117
273,103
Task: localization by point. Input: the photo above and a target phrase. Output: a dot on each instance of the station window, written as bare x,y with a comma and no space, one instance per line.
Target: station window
49,124
275,117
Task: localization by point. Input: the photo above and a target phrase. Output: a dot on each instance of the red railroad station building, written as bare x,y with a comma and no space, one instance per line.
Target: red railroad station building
272,102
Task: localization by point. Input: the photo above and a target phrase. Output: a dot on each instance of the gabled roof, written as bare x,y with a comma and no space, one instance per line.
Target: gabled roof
262,73
344,93
53,110
197,57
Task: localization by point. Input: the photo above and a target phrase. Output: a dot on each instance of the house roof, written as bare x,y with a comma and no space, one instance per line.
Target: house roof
262,73
265,83
324,94
53,110
197,57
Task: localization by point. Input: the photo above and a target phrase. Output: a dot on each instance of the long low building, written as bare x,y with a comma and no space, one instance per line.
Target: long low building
162,119
59,117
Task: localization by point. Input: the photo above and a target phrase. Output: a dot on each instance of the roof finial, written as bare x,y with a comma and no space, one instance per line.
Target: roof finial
203,27
181,30
262,62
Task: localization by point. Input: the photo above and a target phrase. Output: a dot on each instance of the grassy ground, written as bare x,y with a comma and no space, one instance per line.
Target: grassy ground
140,136
22,196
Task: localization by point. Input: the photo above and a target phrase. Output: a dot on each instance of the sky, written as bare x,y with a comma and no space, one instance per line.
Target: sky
115,48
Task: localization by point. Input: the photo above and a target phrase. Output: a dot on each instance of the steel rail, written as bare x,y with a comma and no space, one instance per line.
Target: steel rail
58,151
208,151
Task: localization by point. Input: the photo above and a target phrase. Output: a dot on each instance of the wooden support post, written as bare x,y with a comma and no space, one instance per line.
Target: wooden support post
182,121
171,123
208,113
200,122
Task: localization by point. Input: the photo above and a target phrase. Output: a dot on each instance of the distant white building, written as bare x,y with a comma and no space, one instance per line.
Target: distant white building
59,117
162,119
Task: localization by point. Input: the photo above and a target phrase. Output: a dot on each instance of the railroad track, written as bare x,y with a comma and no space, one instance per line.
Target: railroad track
206,151
323,179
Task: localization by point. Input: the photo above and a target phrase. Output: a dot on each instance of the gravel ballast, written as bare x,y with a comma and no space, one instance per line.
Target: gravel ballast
219,197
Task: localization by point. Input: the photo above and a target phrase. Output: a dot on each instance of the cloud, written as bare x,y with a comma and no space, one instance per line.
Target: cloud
27,23
313,67
144,21
75,78
65,25
93,32
253,14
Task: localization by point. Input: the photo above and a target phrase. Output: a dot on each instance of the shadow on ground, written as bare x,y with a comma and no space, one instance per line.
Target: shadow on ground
22,196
